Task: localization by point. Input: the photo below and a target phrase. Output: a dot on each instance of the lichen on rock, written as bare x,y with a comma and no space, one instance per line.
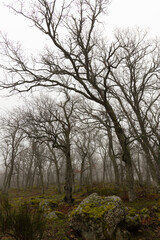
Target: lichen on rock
98,217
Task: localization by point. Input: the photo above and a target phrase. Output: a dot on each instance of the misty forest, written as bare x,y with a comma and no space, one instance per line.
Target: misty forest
84,145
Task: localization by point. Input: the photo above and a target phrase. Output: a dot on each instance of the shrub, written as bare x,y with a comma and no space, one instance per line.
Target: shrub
22,223
5,213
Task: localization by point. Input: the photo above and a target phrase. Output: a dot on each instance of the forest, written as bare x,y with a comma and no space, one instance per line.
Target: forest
93,119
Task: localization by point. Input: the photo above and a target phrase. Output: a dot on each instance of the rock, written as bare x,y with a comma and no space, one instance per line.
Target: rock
132,219
97,218
122,234
60,215
52,216
44,205
47,210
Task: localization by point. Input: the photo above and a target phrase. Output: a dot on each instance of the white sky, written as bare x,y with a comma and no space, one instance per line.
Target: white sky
121,13
144,13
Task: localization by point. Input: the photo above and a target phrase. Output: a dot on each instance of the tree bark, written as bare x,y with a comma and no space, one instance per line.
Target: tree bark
126,156
68,179
69,171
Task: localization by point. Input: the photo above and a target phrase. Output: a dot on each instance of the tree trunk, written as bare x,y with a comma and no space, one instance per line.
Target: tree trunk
81,172
5,177
54,159
129,177
18,175
69,175
104,168
8,180
90,171
139,175
29,173
126,157
58,177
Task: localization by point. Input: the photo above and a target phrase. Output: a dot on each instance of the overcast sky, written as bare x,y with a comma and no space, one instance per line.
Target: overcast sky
121,13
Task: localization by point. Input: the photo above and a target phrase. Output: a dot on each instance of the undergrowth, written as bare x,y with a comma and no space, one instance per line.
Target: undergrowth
22,223
20,218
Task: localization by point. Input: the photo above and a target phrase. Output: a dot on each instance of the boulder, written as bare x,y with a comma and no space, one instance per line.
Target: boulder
47,210
98,218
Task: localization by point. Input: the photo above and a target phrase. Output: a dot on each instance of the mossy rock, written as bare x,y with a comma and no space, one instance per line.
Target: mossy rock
98,217
52,204
155,208
145,213
34,201
60,215
44,206
51,216
132,218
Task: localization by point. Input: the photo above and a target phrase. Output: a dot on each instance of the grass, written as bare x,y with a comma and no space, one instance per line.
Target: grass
59,229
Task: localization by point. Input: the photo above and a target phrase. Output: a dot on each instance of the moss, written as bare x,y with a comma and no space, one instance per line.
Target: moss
92,210
158,216
155,208
60,215
131,211
34,201
41,196
83,193
96,212
51,216
145,213
132,218
77,201
158,202
52,204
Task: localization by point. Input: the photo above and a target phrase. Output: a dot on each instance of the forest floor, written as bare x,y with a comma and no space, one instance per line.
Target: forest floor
147,206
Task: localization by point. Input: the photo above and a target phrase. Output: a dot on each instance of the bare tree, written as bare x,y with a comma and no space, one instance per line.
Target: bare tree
96,116
55,157
78,60
12,137
51,123
138,88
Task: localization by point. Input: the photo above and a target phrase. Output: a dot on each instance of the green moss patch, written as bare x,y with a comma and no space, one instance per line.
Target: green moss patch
93,210
132,218
60,215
